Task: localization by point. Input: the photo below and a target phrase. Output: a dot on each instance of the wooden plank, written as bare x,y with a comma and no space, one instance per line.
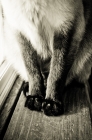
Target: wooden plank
9,106
75,124
7,85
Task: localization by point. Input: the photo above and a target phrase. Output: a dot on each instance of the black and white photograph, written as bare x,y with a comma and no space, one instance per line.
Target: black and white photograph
45,69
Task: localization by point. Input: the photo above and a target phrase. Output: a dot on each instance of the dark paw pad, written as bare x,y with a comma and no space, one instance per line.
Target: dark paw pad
52,108
34,103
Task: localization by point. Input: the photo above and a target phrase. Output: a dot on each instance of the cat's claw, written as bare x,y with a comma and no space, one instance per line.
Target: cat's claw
52,108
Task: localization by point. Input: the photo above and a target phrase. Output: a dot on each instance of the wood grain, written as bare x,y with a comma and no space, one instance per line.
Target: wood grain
8,108
74,124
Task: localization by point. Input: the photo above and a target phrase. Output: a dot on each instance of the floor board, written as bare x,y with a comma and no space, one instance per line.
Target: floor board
9,106
75,124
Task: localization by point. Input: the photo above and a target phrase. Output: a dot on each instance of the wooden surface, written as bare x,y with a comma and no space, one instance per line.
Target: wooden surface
75,124
8,108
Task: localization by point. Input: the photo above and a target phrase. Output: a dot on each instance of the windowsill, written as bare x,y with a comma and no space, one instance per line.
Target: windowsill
9,105
7,78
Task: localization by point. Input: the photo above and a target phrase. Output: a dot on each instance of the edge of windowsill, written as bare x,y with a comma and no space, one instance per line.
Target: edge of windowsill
7,78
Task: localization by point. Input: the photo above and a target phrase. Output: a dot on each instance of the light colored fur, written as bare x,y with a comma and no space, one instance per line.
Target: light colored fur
37,20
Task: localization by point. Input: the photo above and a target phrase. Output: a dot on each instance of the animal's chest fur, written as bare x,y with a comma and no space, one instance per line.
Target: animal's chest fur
38,20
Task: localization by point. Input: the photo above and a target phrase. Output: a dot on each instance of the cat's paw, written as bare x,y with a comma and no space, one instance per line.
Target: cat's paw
34,102
52,108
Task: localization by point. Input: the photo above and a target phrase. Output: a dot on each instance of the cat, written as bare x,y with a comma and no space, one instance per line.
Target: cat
48,41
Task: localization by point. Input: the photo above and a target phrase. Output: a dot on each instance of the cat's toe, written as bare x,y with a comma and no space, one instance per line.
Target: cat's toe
52,108
34,103
29,102
38,103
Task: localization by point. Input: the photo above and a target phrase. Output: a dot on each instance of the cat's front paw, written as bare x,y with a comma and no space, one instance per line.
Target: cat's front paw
52,108
34,102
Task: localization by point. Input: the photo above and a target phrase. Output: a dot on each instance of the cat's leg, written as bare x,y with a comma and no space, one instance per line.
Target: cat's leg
35,88
81,69
64,53
79,84
82,64
55,84
59,68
